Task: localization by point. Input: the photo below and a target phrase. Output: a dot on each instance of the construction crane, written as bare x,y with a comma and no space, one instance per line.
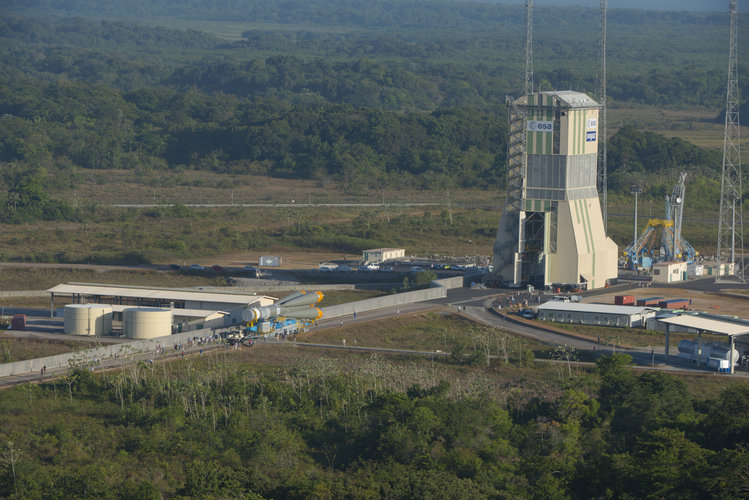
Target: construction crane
661,240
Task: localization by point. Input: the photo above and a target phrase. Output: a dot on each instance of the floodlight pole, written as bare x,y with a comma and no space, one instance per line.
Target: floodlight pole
635,190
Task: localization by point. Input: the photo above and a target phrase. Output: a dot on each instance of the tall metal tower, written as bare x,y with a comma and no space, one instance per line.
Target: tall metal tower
601,80
731,225
528,46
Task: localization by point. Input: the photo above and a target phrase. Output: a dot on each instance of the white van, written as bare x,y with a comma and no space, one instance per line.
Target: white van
560,298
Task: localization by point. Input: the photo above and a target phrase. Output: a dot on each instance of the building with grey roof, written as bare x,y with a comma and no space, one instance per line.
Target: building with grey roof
595,314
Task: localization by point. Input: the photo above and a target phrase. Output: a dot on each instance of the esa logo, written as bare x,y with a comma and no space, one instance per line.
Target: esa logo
538,126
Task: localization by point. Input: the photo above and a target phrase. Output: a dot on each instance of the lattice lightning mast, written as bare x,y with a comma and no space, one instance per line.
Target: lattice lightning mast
528,46
602,139
730,225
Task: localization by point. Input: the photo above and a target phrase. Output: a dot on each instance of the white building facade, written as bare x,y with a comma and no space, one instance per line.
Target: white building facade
595,314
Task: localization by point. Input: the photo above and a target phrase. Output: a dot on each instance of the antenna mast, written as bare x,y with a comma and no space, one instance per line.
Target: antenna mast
528,47
602,139
730,225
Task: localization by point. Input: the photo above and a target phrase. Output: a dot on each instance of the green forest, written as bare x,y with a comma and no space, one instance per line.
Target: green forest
384,94
367,427
343,96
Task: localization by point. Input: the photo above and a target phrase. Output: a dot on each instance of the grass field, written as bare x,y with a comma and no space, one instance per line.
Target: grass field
434,331
19,349
698,126
130,236
534,381
43,278
201,235
293,217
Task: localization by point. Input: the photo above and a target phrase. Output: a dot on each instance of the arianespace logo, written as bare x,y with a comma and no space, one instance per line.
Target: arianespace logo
590,136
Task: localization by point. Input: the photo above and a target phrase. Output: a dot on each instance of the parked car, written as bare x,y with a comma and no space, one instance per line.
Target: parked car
416,269
385,269
217,268
560,298
196,267
175,267
344,267
528,313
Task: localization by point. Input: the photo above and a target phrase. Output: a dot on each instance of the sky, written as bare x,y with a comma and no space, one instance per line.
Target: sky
681,5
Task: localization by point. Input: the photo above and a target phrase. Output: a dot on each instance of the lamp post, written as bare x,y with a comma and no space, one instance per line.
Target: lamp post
676,202
635,190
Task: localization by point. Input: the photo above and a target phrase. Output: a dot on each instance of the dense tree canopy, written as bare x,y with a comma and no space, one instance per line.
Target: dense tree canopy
418,107
359,430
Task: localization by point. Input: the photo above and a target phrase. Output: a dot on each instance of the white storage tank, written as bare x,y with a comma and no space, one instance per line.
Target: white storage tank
716,350
88,319
146,322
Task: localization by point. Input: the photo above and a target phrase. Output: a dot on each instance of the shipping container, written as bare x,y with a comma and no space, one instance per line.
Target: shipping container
18,322
674,304
624,300
650,301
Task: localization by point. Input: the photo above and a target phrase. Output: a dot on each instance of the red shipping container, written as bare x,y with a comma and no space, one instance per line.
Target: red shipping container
652,301
624,300
674,304
18,322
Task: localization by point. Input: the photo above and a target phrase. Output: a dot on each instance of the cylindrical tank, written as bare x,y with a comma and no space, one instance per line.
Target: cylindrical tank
146,323
718,350
88,319
721,350
688,347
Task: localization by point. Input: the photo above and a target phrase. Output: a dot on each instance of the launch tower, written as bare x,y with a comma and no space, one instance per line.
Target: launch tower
552,230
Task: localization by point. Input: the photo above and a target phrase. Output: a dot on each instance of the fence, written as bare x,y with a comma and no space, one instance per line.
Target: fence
123,350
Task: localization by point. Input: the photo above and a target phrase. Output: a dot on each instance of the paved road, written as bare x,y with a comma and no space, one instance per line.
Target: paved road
473,305
99,267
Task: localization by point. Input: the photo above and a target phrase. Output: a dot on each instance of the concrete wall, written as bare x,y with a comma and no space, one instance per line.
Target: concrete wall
384,301
103,352
244,285
450,283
